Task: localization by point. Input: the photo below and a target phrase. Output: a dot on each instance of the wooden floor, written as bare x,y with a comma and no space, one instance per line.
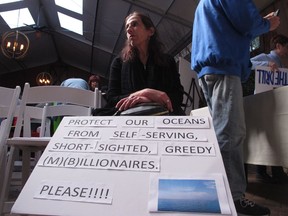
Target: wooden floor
273,196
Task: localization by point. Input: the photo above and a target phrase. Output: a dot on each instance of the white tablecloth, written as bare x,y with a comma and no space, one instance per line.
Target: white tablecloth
266,117
267,128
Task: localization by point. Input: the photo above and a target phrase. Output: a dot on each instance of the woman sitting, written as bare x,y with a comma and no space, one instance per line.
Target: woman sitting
142,73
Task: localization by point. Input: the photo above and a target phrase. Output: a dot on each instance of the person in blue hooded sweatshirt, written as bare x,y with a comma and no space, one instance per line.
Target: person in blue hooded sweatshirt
222,32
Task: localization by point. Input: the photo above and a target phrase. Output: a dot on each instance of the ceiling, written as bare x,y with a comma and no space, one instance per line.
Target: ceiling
103,35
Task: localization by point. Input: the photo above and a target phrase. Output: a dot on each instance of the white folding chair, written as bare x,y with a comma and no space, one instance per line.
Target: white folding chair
8,102
56,101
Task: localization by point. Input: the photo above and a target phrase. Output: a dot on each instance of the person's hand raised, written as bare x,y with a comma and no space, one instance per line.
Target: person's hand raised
274,21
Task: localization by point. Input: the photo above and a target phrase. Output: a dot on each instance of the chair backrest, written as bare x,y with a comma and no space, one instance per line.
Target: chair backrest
38,103
59,111
9,98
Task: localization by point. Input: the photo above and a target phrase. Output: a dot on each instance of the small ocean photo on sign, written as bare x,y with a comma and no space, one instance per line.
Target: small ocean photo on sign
188,195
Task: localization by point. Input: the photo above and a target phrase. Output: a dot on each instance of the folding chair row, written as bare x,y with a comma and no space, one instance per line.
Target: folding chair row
41,104
9,98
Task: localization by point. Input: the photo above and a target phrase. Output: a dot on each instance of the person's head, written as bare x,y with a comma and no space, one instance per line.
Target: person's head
75,83
141,34
279,43
94,82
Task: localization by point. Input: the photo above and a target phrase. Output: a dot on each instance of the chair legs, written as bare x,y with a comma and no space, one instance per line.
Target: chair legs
2,168
4,193
5,206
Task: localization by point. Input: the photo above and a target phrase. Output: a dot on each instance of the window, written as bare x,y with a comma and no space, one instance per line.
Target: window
8,1
73,5
255,44
18,18
69,22
66,21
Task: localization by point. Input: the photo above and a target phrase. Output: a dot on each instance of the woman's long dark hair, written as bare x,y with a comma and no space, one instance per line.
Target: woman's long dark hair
129,53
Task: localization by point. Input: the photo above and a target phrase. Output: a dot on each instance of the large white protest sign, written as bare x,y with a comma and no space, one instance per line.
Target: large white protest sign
127,166
266,79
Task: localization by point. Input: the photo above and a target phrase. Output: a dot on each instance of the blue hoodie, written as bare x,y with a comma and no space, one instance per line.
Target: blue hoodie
222,32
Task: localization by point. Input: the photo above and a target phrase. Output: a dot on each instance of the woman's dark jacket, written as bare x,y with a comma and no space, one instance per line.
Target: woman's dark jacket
129,77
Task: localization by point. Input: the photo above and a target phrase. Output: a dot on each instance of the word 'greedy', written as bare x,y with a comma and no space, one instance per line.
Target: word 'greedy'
188,150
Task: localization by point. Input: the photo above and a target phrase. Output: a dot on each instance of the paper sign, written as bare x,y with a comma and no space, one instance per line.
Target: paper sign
103,165
266,79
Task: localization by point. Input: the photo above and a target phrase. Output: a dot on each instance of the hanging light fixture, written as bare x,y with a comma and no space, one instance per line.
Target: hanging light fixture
44,78
14,44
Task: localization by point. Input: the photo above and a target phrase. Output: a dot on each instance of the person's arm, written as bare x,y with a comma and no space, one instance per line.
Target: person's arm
171,88
259,60
263,60
114,85
245,17
175,90
170,96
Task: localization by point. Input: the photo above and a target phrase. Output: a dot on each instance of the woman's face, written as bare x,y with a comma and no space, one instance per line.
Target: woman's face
94,84
137,34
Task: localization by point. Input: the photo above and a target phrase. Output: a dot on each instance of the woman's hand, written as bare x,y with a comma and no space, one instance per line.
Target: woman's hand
131,101
144,96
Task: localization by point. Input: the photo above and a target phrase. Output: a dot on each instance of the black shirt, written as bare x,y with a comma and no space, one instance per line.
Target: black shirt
129,77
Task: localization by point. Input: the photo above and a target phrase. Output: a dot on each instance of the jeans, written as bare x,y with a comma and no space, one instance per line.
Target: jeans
225,102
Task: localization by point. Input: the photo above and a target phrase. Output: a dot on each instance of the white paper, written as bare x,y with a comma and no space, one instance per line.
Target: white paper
104,146
188,149
182,122
101,161
266,79
75,191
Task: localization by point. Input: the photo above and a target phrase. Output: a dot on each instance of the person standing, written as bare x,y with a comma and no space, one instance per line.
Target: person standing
222,32
279,50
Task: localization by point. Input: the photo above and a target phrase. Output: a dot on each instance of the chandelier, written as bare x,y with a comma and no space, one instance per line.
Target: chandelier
14,44
44,78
